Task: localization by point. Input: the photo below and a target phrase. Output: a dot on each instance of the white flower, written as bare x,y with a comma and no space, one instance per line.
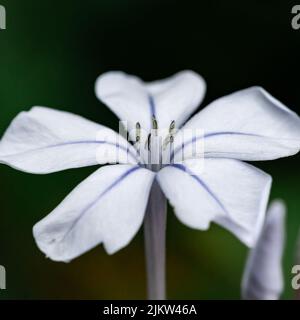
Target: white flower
263,276
109,206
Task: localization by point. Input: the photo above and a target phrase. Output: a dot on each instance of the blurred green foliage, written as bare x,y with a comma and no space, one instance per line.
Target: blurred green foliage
51,54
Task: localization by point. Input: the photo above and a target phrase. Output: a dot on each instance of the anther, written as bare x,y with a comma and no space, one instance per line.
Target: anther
170,136
138,132
172,127
154,124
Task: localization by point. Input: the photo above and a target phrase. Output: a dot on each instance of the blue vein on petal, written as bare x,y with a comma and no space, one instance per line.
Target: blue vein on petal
152,106
103,193
202,183
208,135
117,145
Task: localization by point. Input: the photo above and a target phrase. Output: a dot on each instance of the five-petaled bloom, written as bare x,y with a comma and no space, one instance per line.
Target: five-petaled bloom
109,206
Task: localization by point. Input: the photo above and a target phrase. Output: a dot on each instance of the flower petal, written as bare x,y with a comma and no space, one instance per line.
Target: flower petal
133,100
177,97
247,125
108,207
43,140
229,192
263,276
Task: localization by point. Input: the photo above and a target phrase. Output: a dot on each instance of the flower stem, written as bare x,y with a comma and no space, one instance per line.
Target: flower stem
155,243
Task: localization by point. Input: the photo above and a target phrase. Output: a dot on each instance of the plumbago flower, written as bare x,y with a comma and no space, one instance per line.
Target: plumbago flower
263,275
109,206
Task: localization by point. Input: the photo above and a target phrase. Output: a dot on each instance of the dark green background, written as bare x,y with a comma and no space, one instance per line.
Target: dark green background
51,54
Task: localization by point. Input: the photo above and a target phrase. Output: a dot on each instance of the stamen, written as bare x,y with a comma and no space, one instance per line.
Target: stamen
154,123
172,127
138,132
170,136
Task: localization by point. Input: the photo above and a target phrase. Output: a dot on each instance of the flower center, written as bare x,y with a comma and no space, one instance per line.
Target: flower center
156,147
